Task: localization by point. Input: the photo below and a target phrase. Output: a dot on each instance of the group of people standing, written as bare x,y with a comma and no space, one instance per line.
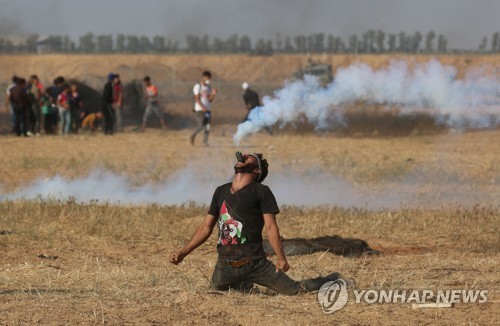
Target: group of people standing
112,104
33,108
59,108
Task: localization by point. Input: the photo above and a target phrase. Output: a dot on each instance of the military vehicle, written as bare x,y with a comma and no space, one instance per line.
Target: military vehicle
322,71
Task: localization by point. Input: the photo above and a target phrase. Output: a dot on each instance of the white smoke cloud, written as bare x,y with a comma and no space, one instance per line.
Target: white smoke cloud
107,187
432,87
308,188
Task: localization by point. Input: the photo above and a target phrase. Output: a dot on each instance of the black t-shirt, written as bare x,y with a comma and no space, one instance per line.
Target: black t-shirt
18,97
107,95
241,219
75,101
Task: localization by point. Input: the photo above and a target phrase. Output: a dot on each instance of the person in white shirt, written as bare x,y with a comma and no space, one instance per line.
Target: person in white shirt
203,97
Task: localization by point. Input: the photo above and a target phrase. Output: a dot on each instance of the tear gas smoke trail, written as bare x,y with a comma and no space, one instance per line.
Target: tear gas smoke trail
471,101
107,187
310,188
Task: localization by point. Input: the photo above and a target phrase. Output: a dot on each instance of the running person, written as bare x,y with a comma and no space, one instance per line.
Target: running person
203,97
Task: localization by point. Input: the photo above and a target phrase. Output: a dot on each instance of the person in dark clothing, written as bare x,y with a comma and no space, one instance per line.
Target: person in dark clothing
252,100
107,105
35,91
20,101
241,209
54,91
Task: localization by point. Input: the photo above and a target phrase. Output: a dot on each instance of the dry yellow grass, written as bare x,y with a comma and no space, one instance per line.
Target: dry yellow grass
111,264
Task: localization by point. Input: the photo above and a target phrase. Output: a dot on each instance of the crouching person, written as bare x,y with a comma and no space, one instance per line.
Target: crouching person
91,122
241,209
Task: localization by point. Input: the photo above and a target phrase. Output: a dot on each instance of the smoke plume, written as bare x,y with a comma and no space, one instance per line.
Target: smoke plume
107,187
431,87
307,188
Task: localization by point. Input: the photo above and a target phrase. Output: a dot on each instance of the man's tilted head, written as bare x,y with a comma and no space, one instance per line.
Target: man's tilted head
254,163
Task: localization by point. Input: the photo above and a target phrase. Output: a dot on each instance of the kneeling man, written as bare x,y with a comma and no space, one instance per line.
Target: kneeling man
241,209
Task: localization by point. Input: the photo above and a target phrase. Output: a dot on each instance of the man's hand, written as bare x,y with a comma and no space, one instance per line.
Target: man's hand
275,241
177,257
282,265
201,235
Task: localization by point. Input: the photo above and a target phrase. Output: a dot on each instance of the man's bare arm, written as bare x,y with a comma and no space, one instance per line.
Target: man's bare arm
201,234
212,95
273,234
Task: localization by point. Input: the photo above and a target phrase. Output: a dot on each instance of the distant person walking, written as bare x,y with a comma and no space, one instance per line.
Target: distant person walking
118,102
107,104
20,101
152,104
203,97
252,100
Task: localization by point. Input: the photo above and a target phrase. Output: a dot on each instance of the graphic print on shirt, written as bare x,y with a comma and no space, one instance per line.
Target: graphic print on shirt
229,228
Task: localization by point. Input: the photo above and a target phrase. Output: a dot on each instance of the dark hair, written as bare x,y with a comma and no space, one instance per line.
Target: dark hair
21,81
34,77
59,80
147,78
263,165
207,73
14,79
66,86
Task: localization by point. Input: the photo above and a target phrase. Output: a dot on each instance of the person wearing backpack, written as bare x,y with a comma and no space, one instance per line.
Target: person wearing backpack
203,97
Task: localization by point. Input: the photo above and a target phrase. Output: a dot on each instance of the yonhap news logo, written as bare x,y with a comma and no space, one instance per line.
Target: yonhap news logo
333,296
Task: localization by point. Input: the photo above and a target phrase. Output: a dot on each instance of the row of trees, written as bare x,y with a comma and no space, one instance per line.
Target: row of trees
369,42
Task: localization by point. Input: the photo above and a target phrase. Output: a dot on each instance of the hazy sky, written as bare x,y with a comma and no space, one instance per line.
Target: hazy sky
463,22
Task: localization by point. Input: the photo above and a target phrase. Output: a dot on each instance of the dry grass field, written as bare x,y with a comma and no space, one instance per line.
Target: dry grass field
428,199
65,262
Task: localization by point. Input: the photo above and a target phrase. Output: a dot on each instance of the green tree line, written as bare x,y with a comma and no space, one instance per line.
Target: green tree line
372,41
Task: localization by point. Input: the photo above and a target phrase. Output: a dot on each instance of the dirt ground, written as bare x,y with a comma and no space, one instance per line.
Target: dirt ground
64,262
